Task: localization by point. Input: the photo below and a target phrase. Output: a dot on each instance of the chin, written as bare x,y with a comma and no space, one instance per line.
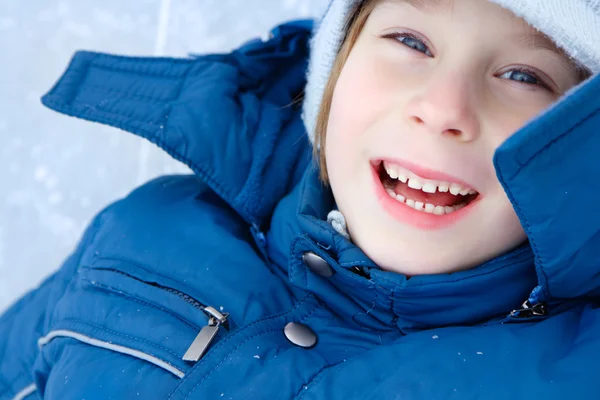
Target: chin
425,257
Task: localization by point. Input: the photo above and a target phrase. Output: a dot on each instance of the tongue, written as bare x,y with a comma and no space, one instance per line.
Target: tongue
437,198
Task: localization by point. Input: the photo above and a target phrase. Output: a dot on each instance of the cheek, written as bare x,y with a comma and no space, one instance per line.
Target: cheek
504,115
347,120
353,101
366,88
359,101
509,227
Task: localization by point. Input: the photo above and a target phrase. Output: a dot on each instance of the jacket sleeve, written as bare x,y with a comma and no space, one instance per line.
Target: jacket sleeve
26,321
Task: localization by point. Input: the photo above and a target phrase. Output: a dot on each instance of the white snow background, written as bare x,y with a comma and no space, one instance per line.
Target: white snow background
56,172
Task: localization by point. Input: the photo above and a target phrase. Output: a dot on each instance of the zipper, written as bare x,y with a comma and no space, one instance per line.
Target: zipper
530,310
187,298
207,334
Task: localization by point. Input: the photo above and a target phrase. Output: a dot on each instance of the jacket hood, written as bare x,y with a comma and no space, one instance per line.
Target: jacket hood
231,118
549,170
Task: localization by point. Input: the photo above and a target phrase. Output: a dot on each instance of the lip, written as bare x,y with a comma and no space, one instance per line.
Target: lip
426,173
419,219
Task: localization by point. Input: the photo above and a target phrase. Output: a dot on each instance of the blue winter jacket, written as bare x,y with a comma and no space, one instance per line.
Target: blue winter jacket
225,259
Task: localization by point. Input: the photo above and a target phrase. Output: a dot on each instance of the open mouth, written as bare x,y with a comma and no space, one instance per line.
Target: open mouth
426,195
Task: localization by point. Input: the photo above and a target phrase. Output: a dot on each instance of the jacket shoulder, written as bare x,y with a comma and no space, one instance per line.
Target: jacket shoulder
164,214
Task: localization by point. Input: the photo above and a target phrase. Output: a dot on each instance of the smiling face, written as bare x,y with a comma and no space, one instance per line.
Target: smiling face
428,92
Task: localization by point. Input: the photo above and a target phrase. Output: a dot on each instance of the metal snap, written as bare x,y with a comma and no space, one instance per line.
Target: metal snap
300,335
317,264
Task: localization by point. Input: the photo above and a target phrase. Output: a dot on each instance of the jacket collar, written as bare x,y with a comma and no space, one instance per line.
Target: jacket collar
384,300
225,116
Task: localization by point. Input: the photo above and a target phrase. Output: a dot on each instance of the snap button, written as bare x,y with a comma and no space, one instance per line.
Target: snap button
300,335
317,264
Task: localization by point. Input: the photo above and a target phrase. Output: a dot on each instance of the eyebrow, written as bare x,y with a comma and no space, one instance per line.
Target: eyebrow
537,40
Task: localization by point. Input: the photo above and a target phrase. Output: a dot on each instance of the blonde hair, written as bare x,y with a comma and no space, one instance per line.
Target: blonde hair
355,23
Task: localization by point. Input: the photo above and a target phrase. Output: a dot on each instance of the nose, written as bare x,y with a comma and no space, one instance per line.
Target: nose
446,106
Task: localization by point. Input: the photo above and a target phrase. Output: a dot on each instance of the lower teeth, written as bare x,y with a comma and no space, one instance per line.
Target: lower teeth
425,207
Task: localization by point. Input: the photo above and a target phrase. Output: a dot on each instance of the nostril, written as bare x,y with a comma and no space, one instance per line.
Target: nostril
453,132
418,120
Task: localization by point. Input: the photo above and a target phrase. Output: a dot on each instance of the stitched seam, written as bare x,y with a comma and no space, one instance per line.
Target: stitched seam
377,292
230,337
127,95
393,303
110,331
140,301
293,250
243,206
307,241
527,229
139,73
126,261
560,137
112,347
386,279
313,381
94,230
353,263
240,345
545,148
469,277
109,117
130,262
224,341
152,100
311,312
345,274
223,360
80,85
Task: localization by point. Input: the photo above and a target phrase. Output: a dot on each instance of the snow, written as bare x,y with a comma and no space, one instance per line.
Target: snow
57,172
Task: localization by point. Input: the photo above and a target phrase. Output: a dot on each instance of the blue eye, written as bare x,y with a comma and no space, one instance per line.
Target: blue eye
527,77
523,76
410,41
414,44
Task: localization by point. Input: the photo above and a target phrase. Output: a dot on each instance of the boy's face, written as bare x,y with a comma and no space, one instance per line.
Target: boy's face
433,90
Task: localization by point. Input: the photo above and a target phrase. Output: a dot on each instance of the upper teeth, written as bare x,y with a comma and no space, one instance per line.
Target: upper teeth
426,185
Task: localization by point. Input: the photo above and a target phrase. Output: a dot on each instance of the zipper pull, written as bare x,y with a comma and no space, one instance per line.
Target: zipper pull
207,334
529,310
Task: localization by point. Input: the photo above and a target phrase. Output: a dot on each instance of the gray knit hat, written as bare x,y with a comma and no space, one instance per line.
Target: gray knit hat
574,25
